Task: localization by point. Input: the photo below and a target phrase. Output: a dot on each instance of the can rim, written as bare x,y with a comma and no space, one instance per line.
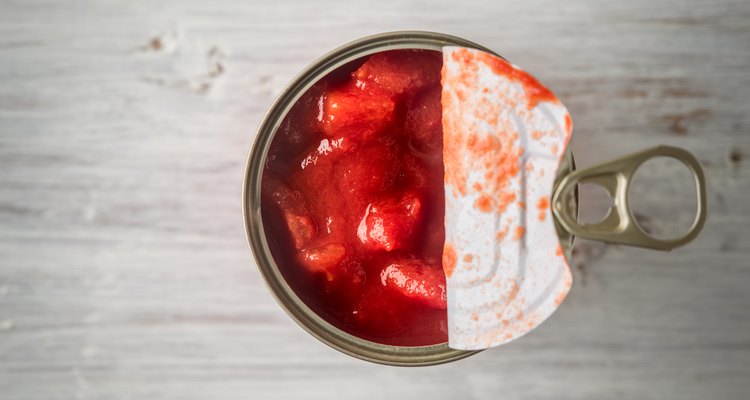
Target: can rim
255,233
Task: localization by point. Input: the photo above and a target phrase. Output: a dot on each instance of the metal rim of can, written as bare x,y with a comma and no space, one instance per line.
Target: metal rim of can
256,237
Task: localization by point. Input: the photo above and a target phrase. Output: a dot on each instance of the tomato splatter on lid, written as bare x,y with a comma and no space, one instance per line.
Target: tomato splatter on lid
543,206
535,91
449,259
502,136
484,203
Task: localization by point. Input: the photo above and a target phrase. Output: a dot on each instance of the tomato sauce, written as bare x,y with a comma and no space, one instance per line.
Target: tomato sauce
353,203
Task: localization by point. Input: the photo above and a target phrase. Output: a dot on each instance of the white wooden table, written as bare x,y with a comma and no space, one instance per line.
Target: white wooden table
124,271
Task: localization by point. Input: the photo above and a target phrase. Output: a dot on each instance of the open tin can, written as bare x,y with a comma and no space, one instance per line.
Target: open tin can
619,226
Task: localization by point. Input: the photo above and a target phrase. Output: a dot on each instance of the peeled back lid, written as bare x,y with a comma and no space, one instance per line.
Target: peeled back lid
504,135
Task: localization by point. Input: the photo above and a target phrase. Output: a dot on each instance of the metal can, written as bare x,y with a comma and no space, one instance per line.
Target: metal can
564,204
292,304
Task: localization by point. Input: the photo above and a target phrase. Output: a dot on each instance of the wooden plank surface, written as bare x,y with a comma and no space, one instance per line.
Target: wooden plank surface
124,271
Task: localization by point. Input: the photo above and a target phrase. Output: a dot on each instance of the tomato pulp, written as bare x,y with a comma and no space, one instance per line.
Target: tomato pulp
353,203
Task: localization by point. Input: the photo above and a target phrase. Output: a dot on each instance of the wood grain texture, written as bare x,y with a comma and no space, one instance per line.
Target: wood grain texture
124,271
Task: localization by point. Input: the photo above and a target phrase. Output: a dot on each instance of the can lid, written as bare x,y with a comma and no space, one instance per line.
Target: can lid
504,135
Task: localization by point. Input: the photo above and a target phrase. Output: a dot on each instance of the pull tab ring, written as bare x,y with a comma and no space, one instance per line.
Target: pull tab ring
620,226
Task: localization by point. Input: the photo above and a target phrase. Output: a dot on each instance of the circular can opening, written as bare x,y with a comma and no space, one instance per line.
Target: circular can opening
279,141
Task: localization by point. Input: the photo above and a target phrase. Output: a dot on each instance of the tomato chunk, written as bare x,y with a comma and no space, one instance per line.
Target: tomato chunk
402,71
424,123
291,204
369,171
418,280
390,223
360,113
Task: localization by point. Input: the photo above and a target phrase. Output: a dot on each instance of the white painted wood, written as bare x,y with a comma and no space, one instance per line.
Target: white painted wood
124,272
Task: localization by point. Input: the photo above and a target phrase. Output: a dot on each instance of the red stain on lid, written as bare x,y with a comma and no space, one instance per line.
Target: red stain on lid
501,163
484,203
513,293
449,259
559,298
536,135
495,153
564,292
505,198
535,91
543,206
502,233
